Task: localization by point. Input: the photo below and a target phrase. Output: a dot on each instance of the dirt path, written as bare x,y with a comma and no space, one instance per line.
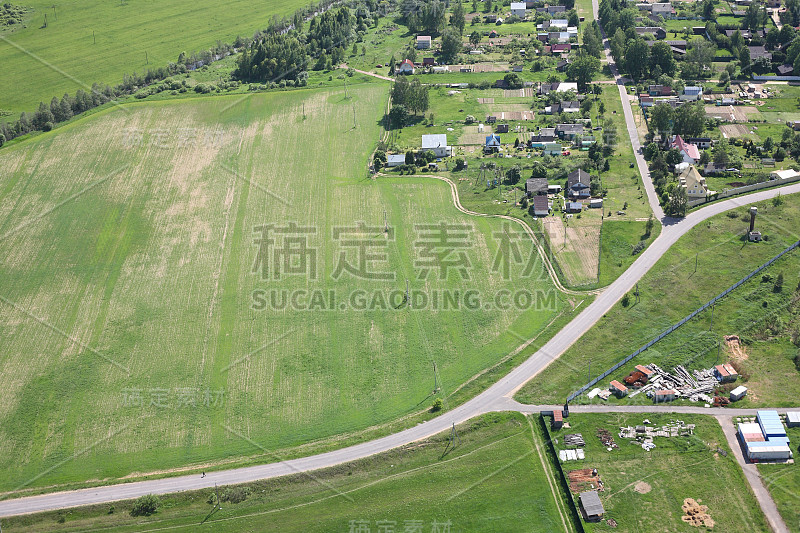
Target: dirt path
550,475
344,65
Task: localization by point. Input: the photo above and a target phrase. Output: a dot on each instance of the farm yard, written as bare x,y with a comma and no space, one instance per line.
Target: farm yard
139,322
647,490
63,57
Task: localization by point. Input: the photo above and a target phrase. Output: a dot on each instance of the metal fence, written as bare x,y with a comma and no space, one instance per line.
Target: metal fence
679,324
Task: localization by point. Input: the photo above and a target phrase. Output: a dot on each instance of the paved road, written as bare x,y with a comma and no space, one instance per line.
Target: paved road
633,133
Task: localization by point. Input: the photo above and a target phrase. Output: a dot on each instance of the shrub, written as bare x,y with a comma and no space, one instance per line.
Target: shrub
438,404
145,505
626,300
236,495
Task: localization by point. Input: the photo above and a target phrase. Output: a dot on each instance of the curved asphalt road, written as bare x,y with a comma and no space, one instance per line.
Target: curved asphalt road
497,397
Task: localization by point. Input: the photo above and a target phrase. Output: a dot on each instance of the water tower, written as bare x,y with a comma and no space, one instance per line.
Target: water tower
753,235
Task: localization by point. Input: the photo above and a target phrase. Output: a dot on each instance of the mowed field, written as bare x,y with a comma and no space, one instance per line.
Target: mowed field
39,63
130,338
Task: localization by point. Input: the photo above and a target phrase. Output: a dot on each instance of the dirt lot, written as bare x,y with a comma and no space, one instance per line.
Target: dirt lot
733,113
577,255
583,480
485,100
482,67
734,130
527,92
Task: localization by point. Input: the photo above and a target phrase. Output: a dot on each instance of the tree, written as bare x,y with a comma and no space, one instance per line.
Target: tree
513,81
755,17
700,55
648,228
145,505
475,38
539,170
678,202
618,45
744,59
438,405
513,174
451,46
690,120
661,56
582,70
778,287
379,159
779,154
2,140
661,119
592,42
398,116
457,19
637,56
410,157
769,144
42,116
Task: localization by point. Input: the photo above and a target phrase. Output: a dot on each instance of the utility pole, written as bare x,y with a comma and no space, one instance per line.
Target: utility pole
711,328
354,116
146,60
45,20
54,12
94,40
408,299
436,387
385,223
695,260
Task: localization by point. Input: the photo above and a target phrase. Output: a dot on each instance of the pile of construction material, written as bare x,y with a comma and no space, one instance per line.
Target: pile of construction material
674,428
697,386
571,455
574,439
606,438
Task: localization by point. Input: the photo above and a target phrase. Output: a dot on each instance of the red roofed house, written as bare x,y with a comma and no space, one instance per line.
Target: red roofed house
666,395
690,152
406,67
618,388
561,48
725,373
644,370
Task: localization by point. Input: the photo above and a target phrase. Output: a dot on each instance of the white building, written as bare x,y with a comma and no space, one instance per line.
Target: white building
423,42
395,160
437,144
691,93
519,9
406,67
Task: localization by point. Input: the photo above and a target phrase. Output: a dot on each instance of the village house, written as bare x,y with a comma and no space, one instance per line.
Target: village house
551,149
578,184
569,131
536,186
406,67
691,93
492,144
563,107
545,135
541,208
519,9
423,42
694,183
757,52
688,151
437,144
656,31
395,160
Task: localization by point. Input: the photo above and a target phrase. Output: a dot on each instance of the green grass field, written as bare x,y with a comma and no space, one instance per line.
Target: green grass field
672,289
783,483
39,63
644,491
493,480
129,320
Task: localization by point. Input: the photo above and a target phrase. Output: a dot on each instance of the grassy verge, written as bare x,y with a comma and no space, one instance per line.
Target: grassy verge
491,480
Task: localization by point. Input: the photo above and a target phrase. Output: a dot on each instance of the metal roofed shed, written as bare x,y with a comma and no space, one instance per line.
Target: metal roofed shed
591,506
771,425
738,393
793,419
